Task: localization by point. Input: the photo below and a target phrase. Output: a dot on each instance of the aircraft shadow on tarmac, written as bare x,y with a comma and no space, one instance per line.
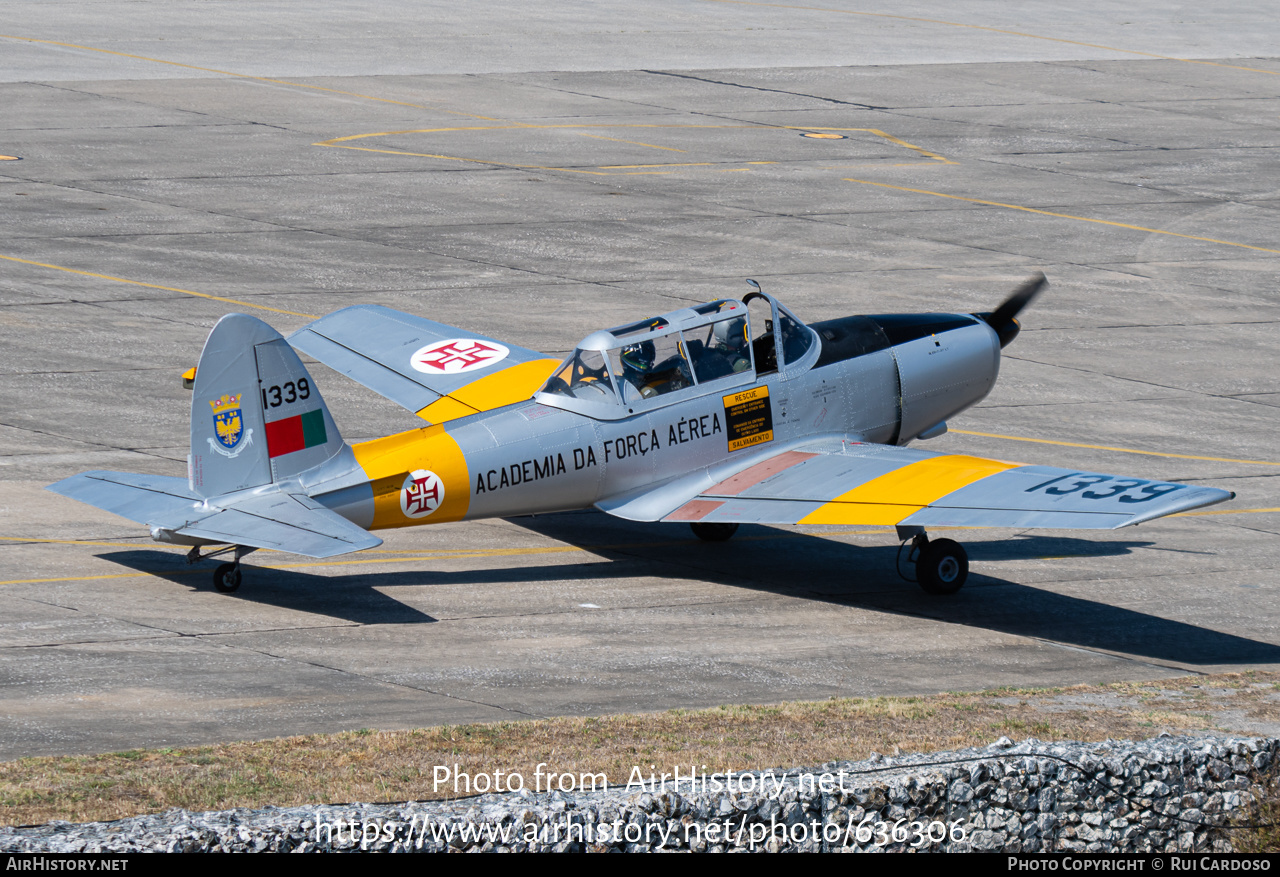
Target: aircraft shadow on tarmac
796,564
767,559
348,598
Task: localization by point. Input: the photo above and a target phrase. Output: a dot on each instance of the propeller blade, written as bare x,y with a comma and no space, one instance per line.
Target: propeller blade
1004,318
1021,297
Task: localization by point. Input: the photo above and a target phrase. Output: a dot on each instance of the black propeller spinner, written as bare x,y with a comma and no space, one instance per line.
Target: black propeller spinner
1003,319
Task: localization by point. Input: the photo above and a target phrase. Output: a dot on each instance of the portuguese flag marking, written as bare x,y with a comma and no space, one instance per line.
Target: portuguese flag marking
296,433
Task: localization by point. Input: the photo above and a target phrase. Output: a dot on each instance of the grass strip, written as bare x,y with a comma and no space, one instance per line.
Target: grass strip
376,766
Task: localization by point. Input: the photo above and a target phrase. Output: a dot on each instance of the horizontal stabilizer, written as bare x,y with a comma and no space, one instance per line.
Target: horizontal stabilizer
418,363
270,519
285,522
147,499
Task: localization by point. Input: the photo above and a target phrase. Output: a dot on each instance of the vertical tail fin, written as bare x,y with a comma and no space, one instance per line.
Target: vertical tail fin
256,414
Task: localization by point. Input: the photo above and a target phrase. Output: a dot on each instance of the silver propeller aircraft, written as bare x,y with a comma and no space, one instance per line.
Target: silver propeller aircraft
715,415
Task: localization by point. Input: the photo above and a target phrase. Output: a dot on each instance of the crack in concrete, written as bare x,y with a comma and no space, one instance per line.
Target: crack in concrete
389,682
211,637
830,100
1206,393
1195,325
139,450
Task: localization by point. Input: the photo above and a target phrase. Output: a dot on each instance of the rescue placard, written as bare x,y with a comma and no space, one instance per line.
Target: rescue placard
748,418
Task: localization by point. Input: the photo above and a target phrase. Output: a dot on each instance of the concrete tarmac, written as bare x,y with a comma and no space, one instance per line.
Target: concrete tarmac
538,178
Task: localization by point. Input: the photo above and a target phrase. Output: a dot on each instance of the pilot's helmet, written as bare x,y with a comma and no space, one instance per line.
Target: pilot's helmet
730,334
638,357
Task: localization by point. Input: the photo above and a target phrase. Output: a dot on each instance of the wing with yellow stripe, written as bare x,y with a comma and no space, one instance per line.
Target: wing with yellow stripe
849,483
437,371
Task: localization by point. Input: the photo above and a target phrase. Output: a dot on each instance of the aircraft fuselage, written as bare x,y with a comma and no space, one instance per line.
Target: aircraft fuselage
883,380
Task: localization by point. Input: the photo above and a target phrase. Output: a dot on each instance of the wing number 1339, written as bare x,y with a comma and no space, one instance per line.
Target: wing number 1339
1105,487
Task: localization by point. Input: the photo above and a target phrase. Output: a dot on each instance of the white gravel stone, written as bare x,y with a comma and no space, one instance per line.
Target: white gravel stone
1165,794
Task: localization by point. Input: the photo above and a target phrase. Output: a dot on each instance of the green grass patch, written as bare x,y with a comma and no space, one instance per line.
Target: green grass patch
373,765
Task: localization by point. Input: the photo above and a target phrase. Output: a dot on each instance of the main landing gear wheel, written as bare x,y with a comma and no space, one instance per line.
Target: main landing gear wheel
713,532
226,578
942,566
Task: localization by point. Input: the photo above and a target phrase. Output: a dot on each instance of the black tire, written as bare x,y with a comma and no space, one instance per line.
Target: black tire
226,578
713,532
943,566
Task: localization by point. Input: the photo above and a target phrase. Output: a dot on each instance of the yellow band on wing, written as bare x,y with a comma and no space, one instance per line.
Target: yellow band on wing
514,384
446,408
886,500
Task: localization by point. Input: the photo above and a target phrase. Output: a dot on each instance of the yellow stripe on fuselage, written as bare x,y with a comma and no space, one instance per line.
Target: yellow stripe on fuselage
514,384
389,461
886,500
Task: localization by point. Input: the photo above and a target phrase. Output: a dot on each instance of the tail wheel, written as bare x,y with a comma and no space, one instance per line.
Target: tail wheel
943,566
713,532
226,578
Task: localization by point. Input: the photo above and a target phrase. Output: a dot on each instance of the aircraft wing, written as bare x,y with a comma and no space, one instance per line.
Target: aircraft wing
831,481
274,519
438,372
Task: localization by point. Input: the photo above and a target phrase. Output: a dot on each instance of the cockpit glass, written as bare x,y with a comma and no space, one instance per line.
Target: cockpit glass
583,376
651,358
720,349
653,367
796,339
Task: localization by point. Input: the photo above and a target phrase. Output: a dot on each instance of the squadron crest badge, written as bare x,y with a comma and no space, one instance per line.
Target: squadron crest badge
228,426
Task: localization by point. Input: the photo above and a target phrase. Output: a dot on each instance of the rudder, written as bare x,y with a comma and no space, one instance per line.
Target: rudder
256,414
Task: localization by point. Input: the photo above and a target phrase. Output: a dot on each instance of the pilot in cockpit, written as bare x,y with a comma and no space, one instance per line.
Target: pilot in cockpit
657,366
637,368
728,353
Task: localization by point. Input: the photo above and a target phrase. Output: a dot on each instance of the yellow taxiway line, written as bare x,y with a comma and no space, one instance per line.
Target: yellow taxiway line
405,557
248,76
110,277
336,142
35,540
1019,438
342,143
409,556
632,142
1190,237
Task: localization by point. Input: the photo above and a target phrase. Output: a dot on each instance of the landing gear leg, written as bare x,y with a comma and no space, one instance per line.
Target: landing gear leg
713,532
942,565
